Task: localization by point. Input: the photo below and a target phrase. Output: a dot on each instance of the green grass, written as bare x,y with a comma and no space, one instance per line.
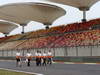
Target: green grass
5,72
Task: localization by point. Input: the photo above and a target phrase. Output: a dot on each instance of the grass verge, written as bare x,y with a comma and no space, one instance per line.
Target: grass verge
6,72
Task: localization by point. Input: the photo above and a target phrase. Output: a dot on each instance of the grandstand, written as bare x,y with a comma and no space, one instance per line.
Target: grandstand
76,39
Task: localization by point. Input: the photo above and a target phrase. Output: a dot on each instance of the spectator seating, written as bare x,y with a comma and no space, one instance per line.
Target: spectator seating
76,34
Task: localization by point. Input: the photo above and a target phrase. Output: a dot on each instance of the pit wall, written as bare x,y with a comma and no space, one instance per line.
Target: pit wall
68,54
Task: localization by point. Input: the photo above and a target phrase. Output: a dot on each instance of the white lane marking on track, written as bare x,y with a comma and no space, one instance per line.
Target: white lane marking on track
75,63
21,71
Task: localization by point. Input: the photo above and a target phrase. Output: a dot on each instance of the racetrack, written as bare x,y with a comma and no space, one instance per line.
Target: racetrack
55,69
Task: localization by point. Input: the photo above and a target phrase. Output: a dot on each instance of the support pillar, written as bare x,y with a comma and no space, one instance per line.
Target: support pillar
6,34
84,16
47,25
84,9
23,29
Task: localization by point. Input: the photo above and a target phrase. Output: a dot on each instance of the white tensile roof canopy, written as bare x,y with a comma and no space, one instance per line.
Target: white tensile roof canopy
6,27
86,4
22,13
83,5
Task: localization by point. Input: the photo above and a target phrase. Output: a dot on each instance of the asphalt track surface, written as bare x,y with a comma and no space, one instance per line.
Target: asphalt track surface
55,69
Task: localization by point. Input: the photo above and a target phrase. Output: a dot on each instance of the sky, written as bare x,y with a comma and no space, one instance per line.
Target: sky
72,15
